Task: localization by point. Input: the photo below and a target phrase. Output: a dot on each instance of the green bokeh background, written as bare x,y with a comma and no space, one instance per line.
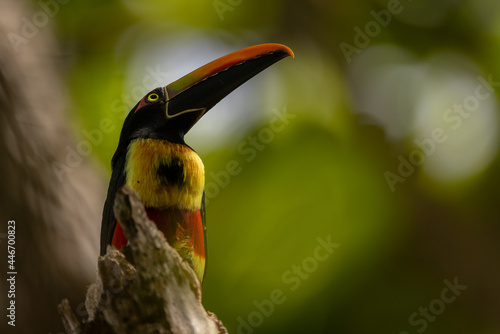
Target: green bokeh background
322,174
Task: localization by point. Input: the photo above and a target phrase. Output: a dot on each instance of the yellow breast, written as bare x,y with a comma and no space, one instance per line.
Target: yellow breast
165,174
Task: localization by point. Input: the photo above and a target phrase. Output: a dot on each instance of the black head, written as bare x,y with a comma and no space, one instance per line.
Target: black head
169,112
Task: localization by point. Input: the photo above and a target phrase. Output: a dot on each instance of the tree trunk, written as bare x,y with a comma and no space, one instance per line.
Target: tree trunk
56,218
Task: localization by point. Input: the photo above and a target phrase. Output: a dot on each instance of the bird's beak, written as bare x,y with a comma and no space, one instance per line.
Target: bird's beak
190,97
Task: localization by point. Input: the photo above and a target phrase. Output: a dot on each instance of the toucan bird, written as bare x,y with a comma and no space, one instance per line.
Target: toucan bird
153,159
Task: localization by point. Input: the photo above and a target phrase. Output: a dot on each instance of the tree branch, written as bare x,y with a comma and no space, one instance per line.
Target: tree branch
146,289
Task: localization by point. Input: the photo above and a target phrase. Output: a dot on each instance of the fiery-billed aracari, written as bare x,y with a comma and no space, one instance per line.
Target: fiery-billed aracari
154,160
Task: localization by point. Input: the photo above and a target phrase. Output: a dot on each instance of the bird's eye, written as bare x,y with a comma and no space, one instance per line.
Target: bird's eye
153,97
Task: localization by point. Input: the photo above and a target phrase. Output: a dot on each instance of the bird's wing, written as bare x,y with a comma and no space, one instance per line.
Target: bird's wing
204,224
108,217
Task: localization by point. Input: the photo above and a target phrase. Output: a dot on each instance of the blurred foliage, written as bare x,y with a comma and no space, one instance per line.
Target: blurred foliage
354,118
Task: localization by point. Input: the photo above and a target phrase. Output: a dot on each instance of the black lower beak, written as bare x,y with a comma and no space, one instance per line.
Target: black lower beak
190,97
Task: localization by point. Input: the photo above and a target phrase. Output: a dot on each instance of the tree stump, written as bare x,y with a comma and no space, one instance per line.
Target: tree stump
148,288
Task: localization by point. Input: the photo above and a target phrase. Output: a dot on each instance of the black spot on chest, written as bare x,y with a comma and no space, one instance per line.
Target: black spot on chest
171,173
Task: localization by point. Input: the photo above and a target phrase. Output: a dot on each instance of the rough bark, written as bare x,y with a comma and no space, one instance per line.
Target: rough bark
147,288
